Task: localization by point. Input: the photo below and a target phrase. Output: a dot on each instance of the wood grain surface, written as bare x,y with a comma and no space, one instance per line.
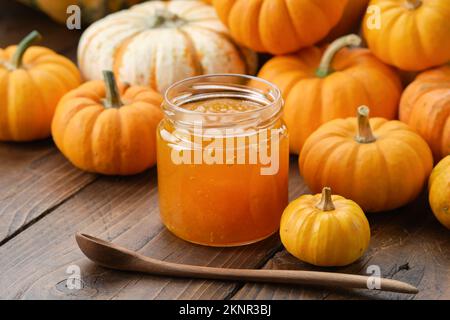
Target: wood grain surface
125,211
44,201
34,177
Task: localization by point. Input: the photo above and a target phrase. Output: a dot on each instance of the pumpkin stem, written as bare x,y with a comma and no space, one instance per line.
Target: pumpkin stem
327,58
163,18
17,58
365,134
326,202
413,4
112,91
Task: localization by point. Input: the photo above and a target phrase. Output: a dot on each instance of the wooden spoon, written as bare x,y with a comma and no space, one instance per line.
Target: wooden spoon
112,256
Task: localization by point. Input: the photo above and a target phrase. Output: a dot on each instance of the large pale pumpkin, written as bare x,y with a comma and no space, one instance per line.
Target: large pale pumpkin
325,230
319,86
425,106
279,26
91,10
160,42
32,81
104,129
409,34
351,19
439,191
380,170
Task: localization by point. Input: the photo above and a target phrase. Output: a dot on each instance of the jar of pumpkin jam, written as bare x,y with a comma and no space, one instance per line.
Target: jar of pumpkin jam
223,158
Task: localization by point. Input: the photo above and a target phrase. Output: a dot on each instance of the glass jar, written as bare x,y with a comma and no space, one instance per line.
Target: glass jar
223,160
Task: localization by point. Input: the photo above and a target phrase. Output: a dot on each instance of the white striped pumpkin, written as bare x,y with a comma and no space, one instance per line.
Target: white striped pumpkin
160,42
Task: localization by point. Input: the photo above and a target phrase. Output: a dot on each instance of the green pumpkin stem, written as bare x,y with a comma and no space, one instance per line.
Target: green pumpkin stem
413,4
365,134
326,202
112,91
17,58
325,64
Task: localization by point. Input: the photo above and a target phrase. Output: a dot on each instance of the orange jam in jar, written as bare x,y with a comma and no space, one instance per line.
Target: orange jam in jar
223,158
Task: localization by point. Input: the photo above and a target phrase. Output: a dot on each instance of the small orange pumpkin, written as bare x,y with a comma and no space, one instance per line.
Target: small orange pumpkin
409,34
279,26
439,191
102,129
319,86
425,106
32,81
325,230
380,170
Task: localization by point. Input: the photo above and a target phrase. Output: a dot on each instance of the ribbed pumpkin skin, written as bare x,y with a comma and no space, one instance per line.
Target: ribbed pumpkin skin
379,176
351,19
159,56
91,10
30,94
439,191
279,26
325,238
359,78
425,106
411,39
114,141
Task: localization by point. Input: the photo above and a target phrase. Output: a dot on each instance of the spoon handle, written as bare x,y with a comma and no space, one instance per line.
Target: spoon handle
276,276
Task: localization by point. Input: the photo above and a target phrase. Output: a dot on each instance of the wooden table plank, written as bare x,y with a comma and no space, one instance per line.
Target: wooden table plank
408,245
34,177
125,210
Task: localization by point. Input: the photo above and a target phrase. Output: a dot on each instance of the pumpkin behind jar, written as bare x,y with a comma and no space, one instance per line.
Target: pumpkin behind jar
425,106
412,35
380,170
320,85
158,43
279,26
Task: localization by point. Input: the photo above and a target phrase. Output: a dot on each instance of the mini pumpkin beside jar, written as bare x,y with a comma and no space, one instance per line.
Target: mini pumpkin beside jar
381,169
322,85
409,34
279,27
107,130
32,81
425,106
158,43
439,191
325,230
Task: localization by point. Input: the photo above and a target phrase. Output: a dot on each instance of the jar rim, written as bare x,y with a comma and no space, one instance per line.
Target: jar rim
277,98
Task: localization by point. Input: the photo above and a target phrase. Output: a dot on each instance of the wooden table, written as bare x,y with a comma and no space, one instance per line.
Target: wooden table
44,200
